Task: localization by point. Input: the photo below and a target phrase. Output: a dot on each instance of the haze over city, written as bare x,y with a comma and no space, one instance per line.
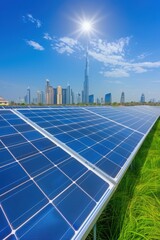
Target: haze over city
43,40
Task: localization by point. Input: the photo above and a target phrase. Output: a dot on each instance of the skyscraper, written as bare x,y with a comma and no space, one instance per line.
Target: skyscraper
142,98
72,97
108,98
122,100
68,95
85,96
91,99
59,95
55,95
28,96
64,95
40,97
49,93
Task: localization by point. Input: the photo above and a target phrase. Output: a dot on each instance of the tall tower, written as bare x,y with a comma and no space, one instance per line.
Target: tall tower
47,91
122,100
28,95
142,98
59,95
86,81
68,101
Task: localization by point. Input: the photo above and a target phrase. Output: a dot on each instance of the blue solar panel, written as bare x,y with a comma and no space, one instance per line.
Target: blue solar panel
47,223
5,229
92,134
38,181
5,157
75,213
13,139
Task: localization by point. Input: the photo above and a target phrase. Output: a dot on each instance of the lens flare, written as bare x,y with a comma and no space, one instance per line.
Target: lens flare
86,26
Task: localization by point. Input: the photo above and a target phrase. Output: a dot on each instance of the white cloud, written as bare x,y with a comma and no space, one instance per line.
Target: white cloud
113,55
144,55
30,18
35,45
116,73
62,48
47,36
70,41
66,45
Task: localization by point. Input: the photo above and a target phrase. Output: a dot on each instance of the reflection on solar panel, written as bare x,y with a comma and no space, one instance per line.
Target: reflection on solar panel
38,182
59,166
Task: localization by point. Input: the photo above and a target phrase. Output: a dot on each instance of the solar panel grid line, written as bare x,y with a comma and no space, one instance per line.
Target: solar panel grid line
81,226
49,201
90,222
20,162
8,222
86,224
75,155
66,148
30,177
36,213
133,154
144,109
113,121
141,116
85,160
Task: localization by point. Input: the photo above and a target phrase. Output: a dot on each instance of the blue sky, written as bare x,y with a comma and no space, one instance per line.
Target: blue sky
41,40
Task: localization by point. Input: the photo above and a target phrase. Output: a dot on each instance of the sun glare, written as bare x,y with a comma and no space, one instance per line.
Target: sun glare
86,26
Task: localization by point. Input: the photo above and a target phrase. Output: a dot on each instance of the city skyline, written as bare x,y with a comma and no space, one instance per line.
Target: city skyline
43,41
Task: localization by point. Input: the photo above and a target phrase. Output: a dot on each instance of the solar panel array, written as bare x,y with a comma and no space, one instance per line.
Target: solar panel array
59,166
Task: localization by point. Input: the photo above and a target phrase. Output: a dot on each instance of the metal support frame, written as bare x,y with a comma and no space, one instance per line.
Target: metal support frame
95,232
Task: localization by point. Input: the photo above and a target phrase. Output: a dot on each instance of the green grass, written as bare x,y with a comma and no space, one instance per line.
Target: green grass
134,210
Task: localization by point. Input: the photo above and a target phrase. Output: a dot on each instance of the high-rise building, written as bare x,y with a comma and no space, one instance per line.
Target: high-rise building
122,100
108,98
64,95
59,95
91,99
28,96
72,97
55,95
85,96
40,97
142,100
68,96
49,93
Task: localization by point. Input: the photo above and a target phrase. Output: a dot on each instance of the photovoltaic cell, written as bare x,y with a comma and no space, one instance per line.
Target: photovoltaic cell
5,228
38,181
46,223
77,210
98,135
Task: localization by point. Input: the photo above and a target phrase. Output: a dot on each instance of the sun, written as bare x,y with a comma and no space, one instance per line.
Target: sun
86,26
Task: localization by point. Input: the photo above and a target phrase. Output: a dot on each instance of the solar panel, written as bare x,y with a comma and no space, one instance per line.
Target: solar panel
59,166
39,181
104,143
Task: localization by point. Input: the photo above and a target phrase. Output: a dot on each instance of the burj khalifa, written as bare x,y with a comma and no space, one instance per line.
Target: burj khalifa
86,81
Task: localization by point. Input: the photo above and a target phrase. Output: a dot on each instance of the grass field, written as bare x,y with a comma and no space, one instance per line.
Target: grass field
134,210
